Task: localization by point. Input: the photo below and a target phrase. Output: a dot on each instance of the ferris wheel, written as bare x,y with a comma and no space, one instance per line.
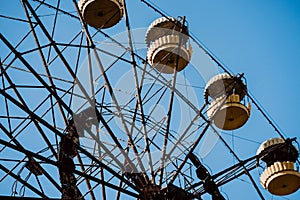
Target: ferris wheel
93,107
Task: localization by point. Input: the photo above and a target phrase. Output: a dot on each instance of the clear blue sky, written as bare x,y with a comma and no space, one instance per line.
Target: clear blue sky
260,38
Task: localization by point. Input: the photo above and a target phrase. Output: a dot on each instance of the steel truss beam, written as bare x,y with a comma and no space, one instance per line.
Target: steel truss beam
9,172
55,131
57,164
